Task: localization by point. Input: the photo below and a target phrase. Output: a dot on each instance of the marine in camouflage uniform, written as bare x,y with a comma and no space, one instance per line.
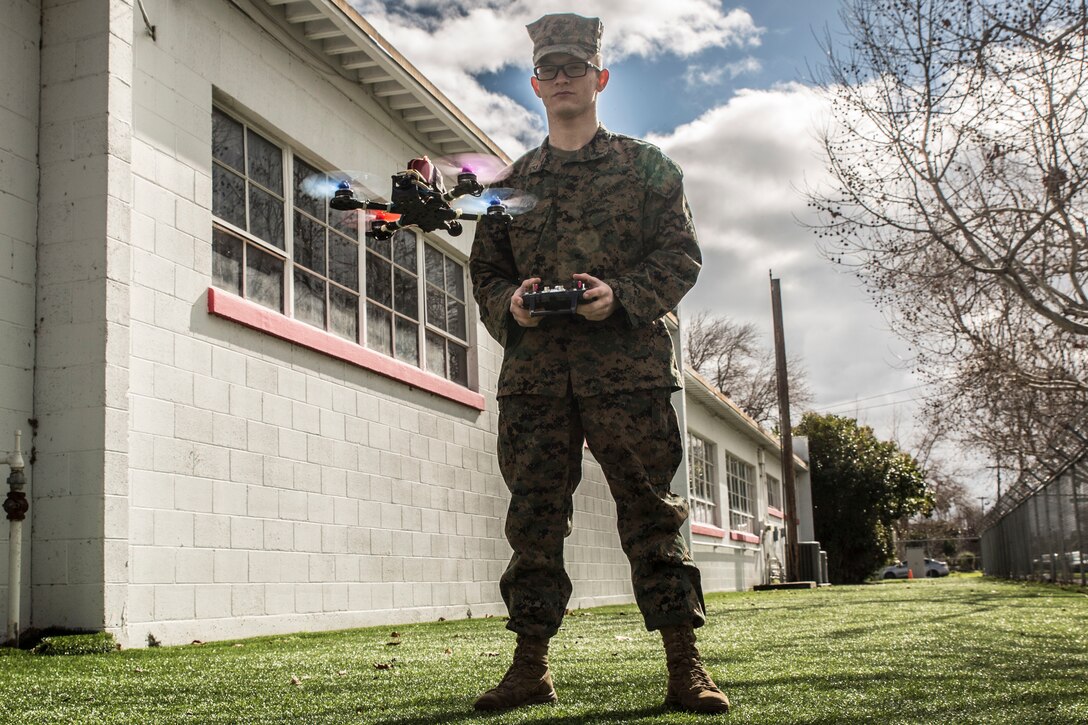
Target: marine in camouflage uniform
616,210
611,213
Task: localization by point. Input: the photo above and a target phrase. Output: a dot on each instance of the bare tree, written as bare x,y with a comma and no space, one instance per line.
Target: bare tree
731,356
958,151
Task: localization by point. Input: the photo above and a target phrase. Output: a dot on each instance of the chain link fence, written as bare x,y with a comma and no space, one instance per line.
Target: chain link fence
1039,529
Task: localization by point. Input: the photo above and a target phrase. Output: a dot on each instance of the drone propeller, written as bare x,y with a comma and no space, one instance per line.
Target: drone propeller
488,169
325,185
515,201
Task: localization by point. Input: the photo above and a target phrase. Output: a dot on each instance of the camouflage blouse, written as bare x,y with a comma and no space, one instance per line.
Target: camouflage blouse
614,209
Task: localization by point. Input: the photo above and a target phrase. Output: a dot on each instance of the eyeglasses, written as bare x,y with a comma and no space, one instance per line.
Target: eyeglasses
574,69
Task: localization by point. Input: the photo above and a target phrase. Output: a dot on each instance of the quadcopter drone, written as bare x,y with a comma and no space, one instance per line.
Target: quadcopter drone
419,199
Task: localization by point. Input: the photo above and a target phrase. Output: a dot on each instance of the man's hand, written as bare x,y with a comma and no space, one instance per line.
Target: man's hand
517,305
599,302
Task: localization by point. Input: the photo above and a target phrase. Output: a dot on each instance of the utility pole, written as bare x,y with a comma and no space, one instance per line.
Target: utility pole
786,432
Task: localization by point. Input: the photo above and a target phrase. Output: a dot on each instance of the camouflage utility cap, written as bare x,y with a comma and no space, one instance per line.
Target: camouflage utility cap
565,33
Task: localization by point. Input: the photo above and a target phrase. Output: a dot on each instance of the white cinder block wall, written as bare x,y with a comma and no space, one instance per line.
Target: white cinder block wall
80,489
273,488
20,32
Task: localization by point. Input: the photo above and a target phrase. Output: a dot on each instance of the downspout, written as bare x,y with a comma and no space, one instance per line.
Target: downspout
16,506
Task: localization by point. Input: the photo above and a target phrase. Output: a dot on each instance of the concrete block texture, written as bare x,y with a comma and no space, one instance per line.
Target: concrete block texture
81,287
20,34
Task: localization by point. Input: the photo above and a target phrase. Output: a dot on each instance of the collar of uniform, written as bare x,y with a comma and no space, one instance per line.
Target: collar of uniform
595,149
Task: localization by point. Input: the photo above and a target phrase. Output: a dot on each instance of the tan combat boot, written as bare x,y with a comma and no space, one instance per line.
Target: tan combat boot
527,682
690,687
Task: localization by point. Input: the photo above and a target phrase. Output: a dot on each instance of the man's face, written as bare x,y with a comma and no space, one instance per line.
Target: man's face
566,97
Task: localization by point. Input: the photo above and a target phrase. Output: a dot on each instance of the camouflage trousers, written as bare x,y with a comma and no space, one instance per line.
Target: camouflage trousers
636,440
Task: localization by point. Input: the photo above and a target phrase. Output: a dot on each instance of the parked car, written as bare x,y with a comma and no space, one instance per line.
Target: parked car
899,570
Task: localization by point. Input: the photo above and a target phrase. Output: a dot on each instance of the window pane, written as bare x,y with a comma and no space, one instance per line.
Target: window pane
344,261
433,261
312,205
381,246
266,216
265,162
227,141
436,354
458,363
455,317
309,298
346,222
227,261
436,308
309,243
455,279
264,278
344,313
405,293
228,196
378,283
379,336
407,341
404,249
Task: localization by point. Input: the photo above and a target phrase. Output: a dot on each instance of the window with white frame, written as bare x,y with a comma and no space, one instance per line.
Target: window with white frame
774,493
740,481
277,245
703,474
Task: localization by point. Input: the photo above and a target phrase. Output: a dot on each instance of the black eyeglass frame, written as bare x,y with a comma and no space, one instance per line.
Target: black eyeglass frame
550,71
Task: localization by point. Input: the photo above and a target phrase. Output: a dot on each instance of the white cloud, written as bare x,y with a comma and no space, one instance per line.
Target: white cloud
746,164
451,42
696,75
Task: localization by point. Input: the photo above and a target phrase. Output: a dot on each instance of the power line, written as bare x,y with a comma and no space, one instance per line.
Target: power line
849,403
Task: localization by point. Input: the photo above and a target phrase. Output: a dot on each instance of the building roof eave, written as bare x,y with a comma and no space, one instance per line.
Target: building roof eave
336,30
721,405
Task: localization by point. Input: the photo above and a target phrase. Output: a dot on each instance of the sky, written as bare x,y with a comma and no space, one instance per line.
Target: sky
726,90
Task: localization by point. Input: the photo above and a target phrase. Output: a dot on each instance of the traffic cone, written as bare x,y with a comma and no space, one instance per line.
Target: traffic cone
910,573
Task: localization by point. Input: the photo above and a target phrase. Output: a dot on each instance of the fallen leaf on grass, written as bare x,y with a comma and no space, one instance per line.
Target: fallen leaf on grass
239,644
490,654
391,644
295,680
383,665
197,641
342,673
448,651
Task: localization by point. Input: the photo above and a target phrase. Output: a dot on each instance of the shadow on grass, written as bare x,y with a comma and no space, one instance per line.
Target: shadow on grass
534,713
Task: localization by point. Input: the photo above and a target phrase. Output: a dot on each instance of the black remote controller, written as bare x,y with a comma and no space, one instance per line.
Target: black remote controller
557,300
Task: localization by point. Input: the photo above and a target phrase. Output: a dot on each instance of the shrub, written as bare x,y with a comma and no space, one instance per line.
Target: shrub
77,644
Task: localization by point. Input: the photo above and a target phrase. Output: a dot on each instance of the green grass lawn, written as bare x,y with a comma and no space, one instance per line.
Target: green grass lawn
956,650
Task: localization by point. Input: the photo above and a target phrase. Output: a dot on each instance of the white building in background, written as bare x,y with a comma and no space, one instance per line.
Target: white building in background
246,418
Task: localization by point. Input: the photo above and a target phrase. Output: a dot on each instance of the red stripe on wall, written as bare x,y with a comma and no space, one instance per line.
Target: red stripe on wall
234,308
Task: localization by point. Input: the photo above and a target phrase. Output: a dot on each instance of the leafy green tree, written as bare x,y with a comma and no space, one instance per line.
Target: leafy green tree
860,487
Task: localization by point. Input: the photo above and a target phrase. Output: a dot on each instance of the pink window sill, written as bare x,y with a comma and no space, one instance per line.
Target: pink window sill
234,308
776,512
707,530
745,537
